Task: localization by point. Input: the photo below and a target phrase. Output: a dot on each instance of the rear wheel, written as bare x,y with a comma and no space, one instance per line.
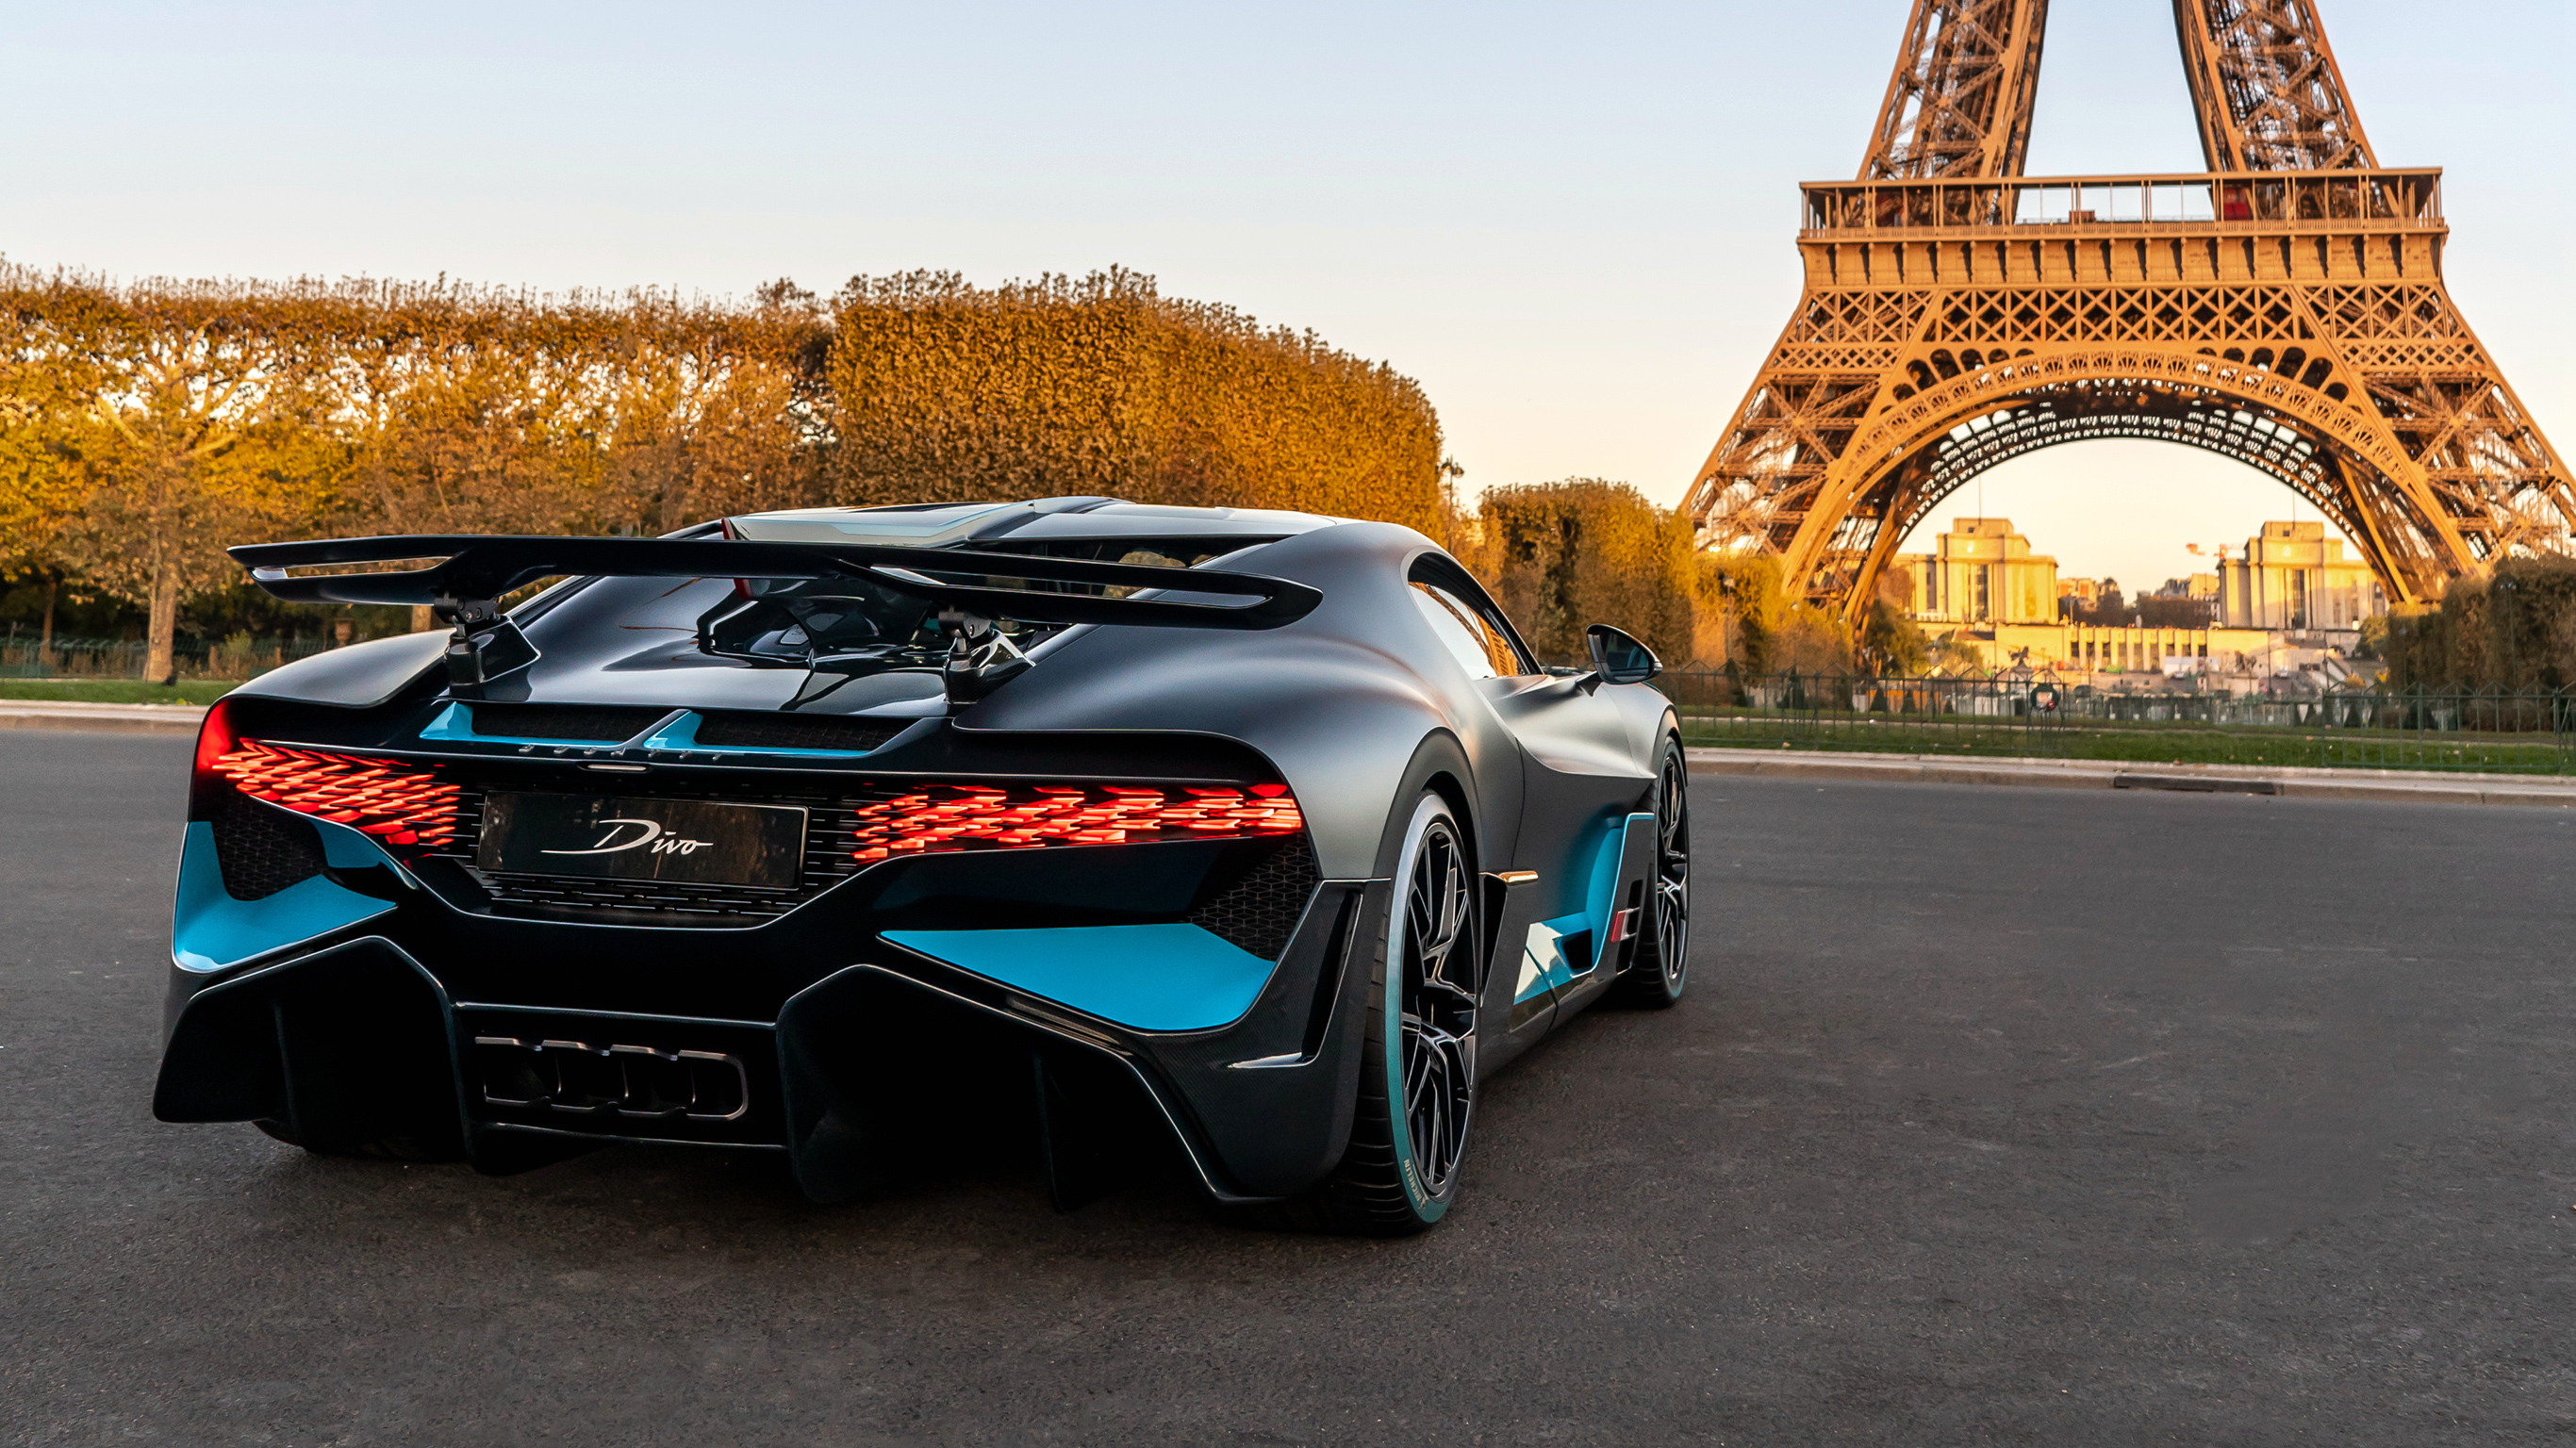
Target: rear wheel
1662,965
1418,1073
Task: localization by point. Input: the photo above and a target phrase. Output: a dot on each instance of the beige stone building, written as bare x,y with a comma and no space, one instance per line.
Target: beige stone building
1981,571
2078,648
2295,577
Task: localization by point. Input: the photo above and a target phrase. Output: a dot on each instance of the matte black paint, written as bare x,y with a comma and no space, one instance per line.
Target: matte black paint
1356,707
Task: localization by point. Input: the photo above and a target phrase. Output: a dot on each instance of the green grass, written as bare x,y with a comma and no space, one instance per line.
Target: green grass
118,691
2160,744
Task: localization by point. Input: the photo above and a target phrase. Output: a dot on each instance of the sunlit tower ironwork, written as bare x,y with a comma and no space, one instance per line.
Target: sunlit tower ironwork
2284,308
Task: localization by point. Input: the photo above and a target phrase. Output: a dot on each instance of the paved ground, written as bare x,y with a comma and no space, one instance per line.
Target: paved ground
1995,1115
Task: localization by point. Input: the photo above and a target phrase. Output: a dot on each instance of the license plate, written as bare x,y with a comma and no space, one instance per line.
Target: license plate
687,841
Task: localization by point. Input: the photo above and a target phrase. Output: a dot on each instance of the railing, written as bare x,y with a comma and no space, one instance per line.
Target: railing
239,657
2405,197
2487,731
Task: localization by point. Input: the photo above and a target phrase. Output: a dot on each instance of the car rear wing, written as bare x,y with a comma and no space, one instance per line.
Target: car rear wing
476,570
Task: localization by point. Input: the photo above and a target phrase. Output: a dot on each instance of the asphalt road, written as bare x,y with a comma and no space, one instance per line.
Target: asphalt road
1994,1115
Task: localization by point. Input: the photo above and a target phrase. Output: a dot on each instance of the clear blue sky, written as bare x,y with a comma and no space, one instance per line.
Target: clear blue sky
1572,224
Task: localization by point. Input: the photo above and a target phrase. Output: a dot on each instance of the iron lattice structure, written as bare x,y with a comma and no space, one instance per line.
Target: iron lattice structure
2285,308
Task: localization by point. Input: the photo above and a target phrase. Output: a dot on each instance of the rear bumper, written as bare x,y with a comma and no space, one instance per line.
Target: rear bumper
426,1022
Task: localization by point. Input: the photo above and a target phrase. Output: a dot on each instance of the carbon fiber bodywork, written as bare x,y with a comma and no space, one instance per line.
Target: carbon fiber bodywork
352,987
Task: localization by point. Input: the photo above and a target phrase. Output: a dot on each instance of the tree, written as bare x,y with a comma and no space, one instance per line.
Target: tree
944,392
39,495
1563,556
190,439
712,408
1891,643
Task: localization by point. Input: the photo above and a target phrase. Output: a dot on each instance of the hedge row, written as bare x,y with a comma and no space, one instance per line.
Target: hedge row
145,426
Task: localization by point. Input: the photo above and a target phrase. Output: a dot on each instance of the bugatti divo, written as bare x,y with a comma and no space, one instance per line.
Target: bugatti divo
1258,837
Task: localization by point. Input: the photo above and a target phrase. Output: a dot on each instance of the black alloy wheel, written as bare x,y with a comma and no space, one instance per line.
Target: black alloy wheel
1437,1030
1417,1094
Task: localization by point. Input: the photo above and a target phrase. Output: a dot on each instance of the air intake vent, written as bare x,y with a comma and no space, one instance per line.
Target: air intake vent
589,723
795,731
261,850
1258,912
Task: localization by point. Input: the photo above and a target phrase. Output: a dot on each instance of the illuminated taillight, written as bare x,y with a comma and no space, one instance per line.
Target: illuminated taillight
377,797
938,818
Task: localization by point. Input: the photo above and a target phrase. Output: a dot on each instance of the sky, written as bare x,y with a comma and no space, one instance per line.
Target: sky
1572,224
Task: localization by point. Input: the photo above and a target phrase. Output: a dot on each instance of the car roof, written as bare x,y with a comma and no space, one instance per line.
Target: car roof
939,525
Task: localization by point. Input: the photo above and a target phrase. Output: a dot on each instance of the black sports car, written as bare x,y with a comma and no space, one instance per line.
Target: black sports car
777,833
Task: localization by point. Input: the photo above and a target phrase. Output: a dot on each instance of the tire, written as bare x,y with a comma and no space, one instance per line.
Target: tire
1656,977
1418,1071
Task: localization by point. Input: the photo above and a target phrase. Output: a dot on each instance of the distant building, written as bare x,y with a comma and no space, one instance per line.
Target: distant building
2181,603
2079,648
2295,577
1981,571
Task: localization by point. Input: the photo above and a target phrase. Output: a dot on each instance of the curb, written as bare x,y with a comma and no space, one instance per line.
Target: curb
2386,786
181,719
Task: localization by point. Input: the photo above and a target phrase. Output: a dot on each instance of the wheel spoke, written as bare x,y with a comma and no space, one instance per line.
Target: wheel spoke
1436,1022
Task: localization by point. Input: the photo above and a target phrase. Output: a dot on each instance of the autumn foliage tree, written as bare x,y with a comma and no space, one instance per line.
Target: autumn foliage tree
945,391
144,427
178,420
1563,556
2515,630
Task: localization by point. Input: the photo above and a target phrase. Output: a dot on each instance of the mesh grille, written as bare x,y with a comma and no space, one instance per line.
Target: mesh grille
1258,912
829,827
794,731
261,851
591,723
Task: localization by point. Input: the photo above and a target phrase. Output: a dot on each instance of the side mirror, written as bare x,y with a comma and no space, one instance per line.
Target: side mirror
1617,658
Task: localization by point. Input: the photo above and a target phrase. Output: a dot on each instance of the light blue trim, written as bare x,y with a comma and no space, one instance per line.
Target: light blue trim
1545,965
1605,875
210,930
455,724
1148,977
680,736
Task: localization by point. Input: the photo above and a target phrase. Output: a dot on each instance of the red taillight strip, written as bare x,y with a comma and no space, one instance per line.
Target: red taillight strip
373,796
936,819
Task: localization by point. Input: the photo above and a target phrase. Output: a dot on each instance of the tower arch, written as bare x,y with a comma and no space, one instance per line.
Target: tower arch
1939,440
2285,308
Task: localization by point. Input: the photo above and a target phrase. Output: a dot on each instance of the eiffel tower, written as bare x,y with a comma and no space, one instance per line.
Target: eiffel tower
2284,308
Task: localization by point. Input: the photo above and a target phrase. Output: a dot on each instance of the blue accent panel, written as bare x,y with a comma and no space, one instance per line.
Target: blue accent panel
453,722
1149,977
456,723
680,733
1605,873
681,736
1603,897
210,929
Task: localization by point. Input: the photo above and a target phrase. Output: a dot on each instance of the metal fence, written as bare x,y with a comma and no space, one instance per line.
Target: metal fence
2492,731
239,657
